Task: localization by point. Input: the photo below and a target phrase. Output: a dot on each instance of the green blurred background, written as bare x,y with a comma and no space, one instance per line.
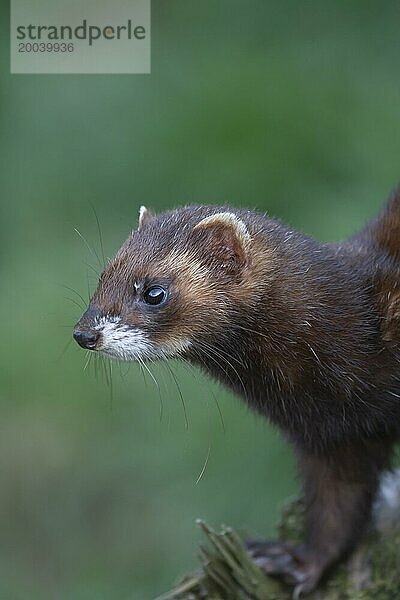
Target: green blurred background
289,107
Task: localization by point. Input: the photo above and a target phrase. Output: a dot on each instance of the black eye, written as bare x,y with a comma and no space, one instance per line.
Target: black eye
155,295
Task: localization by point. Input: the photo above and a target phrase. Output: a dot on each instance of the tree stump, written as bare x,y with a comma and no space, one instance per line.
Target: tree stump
372,573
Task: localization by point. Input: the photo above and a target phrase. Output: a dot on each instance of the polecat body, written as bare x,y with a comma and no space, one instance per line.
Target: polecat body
307,333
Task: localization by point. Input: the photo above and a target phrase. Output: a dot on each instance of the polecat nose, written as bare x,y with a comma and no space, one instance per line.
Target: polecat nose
86,339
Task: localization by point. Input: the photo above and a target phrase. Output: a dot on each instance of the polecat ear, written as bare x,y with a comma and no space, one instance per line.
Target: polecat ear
225,239
145,216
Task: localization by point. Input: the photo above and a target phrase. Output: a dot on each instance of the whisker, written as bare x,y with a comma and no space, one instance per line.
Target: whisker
140,362
223,353
102,370
122,373
89,293
220,355
110,373
269,337
92,268
67,287
74,302
88,246
180,394
99,234
89,355
211,392
67,345
221,416
143,364
203,470
105,370
96,365
160,398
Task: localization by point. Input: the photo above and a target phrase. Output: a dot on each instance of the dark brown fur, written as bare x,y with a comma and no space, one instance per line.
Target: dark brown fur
308,334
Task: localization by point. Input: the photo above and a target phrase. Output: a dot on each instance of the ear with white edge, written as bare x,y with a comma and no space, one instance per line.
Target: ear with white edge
145,216
226,239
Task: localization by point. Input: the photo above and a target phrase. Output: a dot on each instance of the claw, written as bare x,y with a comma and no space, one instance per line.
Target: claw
306,587
287,563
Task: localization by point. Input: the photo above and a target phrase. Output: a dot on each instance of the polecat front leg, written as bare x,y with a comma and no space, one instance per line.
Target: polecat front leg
339,489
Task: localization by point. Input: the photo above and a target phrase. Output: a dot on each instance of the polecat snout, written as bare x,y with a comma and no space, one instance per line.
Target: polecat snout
308,334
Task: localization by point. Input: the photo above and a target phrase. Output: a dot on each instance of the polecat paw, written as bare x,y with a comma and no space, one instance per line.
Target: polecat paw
285,561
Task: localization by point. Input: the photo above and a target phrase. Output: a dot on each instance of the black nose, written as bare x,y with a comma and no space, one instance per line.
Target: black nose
86,339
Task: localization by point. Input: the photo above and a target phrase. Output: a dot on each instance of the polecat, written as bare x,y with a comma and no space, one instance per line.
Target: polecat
307,333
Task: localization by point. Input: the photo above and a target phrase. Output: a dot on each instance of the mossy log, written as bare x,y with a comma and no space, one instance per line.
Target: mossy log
372,573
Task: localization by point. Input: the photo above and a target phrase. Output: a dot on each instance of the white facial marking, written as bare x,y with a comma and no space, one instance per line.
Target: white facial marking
121,341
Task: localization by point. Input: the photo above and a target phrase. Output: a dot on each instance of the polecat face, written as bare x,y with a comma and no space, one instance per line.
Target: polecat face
173,280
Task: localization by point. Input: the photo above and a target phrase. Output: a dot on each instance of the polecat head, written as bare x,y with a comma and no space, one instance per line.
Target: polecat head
173,281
